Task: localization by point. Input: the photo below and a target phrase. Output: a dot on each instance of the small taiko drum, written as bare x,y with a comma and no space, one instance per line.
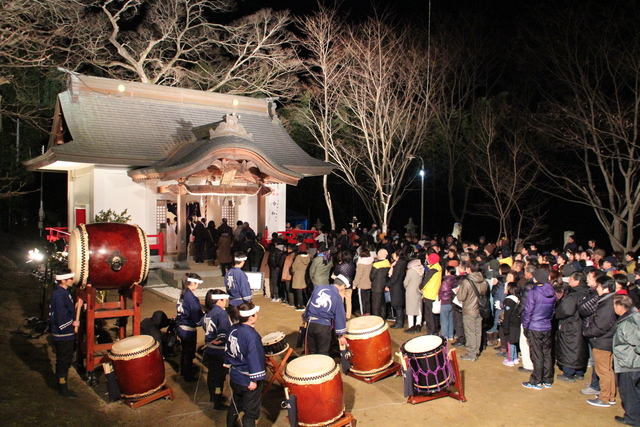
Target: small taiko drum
108,255
370,344
138,366
274,343
316,382
428,359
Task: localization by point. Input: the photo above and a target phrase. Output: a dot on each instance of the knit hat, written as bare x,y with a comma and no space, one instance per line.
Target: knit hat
541,275
383,254
302,247
434,259
600,252
611,260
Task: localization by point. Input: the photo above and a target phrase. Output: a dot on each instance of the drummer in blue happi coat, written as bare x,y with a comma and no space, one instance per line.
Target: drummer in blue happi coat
245,355
216,325
325,312
237,285
188,319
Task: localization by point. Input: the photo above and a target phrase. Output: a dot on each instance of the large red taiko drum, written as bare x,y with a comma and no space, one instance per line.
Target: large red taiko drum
138,366
108,255
370,344
316,382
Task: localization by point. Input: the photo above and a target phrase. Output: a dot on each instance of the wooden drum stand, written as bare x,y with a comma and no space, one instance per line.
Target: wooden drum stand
458,394
88,349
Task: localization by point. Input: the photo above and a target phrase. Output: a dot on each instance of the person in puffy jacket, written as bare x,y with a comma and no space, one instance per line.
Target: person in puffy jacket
445,294
626,358
379,276
538,313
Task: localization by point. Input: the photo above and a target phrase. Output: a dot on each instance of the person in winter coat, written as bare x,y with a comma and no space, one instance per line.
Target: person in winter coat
626,358
413,296
395,285
430,287
347,268
285,283
379,276
511,321
321,266
210,242
255,253
536,324
445,294
274,260
199,240
471,318
362,281
153,326
299,282
572,353
223,253
600,332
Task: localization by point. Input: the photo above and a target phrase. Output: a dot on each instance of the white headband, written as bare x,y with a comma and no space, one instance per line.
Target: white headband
65,276
249,313
219,296
240,258
194,280
344,280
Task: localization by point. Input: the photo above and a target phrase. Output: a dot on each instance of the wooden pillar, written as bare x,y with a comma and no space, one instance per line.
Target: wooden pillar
181,219
262,212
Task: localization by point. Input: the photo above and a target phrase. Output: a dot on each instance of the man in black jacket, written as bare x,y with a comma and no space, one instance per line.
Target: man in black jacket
600,334
199,234
572,353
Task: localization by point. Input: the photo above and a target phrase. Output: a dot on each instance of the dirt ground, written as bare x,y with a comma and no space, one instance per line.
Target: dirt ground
495,396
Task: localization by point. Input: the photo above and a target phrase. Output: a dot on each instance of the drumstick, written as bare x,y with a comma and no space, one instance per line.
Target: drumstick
78,310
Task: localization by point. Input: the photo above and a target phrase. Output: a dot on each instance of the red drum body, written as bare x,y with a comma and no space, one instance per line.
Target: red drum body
138,366
108,255
428,358
369,341
316,382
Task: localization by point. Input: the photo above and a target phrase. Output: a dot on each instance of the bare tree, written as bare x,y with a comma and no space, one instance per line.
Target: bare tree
168,42
460,69
503,170
323,36
591,114
384,107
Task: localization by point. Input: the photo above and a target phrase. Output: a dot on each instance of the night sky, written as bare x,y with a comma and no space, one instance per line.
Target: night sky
501,22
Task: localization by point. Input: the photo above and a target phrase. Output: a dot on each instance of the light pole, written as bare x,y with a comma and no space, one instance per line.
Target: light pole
422,174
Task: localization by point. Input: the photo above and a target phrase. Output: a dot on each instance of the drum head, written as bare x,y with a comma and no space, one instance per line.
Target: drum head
423,344
272,338
132,344
78,260
312,365
364,324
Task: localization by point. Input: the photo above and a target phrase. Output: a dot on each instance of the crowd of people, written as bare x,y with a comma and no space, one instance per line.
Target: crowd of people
570,307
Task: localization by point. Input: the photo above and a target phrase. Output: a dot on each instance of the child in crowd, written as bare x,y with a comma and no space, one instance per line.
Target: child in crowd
511,323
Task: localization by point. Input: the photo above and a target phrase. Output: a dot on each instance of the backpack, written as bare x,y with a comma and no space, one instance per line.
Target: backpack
484,305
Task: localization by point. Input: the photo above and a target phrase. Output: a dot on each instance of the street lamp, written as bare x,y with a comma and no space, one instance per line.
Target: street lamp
422,174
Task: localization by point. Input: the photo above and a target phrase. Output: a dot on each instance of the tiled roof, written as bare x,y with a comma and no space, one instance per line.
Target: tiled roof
143,125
